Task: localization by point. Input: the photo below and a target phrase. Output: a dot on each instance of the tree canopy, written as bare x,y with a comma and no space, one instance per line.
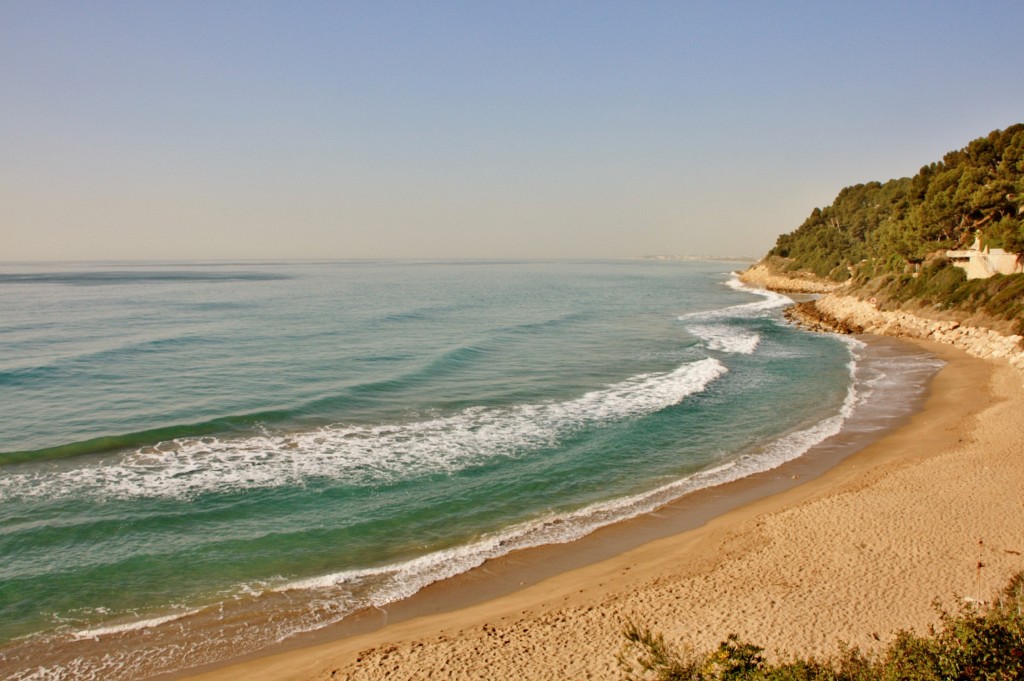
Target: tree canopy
979,188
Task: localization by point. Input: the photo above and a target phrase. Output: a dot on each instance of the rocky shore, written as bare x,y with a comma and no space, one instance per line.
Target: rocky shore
763,276
837,312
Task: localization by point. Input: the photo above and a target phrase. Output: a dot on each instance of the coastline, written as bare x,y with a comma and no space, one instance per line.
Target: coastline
830,309
834,558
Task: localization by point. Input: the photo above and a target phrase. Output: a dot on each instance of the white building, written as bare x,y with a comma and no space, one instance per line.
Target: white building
981,262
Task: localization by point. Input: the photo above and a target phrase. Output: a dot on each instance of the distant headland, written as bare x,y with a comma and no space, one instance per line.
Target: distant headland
937,256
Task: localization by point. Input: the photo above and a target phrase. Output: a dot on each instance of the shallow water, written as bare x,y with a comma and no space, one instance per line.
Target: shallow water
200,460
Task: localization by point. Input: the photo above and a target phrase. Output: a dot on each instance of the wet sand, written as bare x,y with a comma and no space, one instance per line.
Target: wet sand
853,554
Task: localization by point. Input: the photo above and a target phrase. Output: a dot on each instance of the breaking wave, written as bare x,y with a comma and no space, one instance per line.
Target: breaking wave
360,455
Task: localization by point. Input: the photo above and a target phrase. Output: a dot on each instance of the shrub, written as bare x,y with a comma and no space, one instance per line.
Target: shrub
976,642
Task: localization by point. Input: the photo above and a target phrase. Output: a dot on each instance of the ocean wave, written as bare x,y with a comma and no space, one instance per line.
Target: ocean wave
726,338
332,597
110,443
759,308
722,329
359,455
64,366
397,581
400,580
135,625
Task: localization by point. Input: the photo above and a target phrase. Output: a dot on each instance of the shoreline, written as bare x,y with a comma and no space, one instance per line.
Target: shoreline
828,306
582,606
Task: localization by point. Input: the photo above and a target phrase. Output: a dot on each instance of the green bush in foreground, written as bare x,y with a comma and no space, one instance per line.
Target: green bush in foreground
977,642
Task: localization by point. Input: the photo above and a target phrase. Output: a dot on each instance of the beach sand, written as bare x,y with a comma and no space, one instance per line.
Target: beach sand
852,555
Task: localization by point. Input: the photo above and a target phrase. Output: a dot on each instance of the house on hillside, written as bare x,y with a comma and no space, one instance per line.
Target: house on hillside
981,262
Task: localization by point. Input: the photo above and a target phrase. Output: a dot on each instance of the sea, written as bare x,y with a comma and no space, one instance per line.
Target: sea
201,460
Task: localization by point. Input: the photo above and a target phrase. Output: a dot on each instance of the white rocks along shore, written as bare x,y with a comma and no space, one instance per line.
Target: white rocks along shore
976,341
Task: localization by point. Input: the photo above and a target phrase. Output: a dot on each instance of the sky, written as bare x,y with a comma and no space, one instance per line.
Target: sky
515,129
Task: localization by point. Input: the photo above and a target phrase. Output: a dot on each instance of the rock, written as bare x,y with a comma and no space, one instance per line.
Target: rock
763,276
848,312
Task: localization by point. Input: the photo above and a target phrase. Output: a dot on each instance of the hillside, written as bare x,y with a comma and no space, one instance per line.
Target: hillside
887,241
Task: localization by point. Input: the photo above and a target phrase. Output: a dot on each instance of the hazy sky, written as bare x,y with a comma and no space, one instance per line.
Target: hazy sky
241,129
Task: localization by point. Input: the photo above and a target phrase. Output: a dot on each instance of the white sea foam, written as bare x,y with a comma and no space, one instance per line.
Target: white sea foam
903,378
382,453
130,626
331,597
722,329
726,338
759,308
361,454
401,580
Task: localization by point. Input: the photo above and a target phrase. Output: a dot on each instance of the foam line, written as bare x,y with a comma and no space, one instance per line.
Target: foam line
726,338
401,580
360,455
130,626
759,308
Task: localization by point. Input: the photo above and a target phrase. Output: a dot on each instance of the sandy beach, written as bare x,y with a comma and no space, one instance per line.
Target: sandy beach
852,555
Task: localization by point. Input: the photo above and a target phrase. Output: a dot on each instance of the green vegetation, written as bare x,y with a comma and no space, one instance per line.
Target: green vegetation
980,187
978,642
943,286
881,233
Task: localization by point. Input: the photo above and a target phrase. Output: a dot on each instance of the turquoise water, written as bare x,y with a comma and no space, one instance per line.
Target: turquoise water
200,459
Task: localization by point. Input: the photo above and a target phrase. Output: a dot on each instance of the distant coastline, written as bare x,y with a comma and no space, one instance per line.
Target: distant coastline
699,258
